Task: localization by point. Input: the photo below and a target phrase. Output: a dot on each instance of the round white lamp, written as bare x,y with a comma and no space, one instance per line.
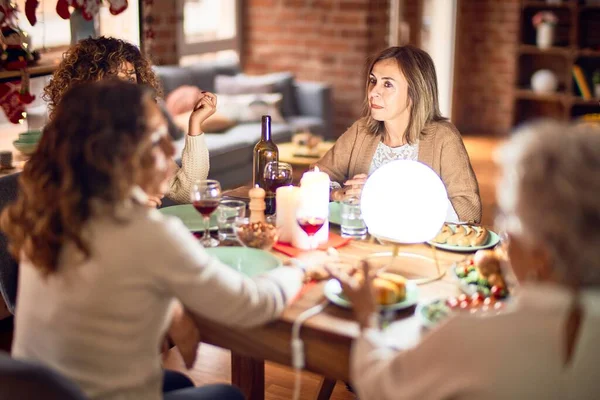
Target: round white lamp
405,202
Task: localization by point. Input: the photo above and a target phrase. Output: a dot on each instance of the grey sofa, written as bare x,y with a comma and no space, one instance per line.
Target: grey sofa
304,105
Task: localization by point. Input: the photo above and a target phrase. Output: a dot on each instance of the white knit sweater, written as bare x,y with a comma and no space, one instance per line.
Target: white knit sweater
195,165
100,322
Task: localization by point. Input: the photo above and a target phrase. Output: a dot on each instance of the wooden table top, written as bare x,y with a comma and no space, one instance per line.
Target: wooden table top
291,153
328,336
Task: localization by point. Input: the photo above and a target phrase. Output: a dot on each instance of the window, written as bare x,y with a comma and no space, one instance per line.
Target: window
51,31
209,26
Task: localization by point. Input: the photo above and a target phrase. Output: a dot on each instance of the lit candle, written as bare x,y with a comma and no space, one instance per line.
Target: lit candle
287,198
314,194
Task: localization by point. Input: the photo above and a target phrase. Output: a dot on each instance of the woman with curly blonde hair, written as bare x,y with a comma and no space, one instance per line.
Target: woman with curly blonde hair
94,59
106,267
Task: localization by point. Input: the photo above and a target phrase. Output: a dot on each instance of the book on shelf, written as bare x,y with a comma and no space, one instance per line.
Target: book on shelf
581,82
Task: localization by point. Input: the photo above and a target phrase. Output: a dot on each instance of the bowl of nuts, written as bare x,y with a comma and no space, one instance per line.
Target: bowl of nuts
258,235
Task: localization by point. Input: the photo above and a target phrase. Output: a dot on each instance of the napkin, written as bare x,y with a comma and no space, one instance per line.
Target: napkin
334,241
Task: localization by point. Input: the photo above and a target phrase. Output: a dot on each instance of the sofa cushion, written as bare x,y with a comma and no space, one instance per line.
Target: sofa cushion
250,107
280,82
182,99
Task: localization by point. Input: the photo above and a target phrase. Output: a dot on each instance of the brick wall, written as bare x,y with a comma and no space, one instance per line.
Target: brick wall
487,40
329,40
319,40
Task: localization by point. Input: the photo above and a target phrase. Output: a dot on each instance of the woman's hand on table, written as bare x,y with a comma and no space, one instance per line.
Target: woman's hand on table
352,188
316,264
154,201
360,294
206,105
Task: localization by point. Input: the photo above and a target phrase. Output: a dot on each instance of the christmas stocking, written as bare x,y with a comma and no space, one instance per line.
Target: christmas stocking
117,6
30,7
25,94
62,9
11,103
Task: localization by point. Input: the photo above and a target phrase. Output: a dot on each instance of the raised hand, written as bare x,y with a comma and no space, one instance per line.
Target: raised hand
206,105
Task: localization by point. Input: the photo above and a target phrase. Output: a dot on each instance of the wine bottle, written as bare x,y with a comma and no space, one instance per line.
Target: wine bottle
265,151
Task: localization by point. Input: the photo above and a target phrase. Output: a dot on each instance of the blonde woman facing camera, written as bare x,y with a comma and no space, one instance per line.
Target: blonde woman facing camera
402,121
545,345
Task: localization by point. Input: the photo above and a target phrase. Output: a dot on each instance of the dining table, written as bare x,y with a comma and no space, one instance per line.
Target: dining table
328,335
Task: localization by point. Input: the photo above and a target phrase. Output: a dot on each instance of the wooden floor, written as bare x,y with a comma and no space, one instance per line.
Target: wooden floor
212,365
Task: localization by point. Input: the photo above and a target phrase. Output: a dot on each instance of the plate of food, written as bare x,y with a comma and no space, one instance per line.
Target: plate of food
433,312
481,274
393,292
464,238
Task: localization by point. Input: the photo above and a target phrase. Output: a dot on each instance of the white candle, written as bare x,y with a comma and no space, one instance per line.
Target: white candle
287,198
314,194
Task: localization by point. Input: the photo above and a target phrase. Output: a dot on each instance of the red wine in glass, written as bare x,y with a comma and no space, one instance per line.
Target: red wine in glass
272,184
311,225
206,207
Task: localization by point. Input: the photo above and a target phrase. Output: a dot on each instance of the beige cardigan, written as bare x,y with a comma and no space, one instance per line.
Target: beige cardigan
440,147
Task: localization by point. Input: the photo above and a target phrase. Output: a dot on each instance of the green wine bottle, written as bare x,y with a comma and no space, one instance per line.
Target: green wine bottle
265,151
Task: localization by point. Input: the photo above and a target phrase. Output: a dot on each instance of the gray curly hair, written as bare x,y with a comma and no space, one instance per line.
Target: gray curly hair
549,194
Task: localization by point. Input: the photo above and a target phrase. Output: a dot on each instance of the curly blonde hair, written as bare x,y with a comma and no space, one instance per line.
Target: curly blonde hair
94,59
95,149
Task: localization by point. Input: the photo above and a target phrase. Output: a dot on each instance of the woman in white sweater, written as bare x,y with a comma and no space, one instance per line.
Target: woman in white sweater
98,269
546,347
94,59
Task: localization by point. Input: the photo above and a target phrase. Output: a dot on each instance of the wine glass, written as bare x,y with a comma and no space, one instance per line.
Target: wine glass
311,219
206,195
275,175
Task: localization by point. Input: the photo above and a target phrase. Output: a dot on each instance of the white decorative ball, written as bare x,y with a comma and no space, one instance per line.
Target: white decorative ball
544,81
404,202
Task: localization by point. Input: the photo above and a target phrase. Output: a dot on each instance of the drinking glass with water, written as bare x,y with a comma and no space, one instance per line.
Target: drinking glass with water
353,225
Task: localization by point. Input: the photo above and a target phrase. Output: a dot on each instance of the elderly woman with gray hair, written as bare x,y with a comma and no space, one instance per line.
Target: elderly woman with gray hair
545,345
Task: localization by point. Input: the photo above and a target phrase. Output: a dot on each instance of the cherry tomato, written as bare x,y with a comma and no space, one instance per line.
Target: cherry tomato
452,302
477,297
488,301
470,262
464,305
498,292
475,303
465,271
463,297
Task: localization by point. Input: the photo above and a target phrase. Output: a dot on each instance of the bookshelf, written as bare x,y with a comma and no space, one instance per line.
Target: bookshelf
576,42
